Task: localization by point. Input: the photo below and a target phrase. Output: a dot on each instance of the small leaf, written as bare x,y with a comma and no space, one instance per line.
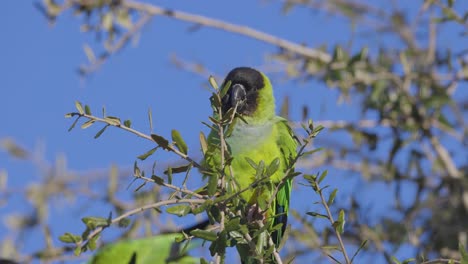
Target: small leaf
77,251
225,89
92,242
232,225
79,107
161,141
136,170
70,238
339,225
179,169
314,214
203,143
307,153
273,167
74,124
150,119
87,110
99,133
407,261
395,260
115,121
203,234
363,244
94,222
213,83
179,210
332,197
158,180
322,177
68,115
180,143
128,123
147,154
89,53
212,184
124,222
251,163
87,124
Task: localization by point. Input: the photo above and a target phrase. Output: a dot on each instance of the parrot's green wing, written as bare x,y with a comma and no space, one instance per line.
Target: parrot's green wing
287,143
160,249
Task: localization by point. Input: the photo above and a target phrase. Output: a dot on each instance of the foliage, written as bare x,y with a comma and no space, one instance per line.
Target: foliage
406,86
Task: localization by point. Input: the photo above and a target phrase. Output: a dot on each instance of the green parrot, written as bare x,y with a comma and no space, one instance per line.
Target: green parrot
159,249
258,135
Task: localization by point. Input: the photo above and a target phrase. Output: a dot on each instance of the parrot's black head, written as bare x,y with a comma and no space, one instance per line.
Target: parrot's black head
244,90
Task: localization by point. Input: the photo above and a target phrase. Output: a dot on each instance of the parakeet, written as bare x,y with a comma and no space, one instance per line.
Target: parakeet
257,135
159,249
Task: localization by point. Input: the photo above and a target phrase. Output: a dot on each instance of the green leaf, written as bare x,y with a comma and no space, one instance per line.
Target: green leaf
87,124
307,153
136,170
99,133
73,124
179,169
112,120
332,197
150,119
92,242
124,222
180,143
203,143
95,222
225,88
79,107
77,251
213,83
395,260
322,177
87,110
158,180
232,224
314,214
168,172
201,208
179,210
203,234
260,169
339,225
161,141
128,123
68,115
407,261
251,163
273,167
147,154
70,238
212,184
363,244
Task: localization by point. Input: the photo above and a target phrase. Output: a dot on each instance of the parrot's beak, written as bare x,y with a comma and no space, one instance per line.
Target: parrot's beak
238,96
235,96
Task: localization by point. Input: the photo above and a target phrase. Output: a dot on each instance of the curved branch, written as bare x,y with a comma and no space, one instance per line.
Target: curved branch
230,27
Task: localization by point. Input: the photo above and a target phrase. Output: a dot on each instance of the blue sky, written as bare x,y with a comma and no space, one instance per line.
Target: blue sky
39,84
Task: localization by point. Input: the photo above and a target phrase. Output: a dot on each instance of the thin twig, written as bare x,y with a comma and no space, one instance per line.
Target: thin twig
230,27
140,134
338,235
182,190
98,230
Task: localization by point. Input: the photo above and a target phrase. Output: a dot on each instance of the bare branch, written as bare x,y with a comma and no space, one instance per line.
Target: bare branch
230,27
